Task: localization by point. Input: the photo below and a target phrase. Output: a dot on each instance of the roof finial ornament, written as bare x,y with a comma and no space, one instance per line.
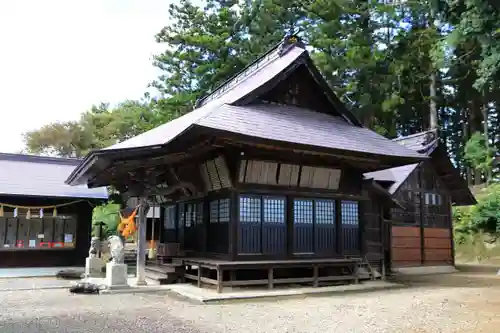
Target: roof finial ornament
429,137
291,40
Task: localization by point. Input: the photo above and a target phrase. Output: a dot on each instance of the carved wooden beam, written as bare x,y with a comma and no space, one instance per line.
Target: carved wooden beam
176,177
166,192
240,142
169,158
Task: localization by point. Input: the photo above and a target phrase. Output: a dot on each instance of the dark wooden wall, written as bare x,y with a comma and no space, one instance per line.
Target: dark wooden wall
421,234
258,208
52,257
374,237
261,227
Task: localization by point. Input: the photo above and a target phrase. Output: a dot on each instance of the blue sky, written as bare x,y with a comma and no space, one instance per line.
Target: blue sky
58,57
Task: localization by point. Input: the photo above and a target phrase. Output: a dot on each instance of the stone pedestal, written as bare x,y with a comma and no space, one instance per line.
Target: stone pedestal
116,275
93,267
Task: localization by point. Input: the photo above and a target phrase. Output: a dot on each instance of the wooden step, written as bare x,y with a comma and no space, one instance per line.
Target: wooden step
161,269
162,278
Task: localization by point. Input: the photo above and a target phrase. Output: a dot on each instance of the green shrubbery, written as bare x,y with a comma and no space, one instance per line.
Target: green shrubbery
109,215
483,217
478,227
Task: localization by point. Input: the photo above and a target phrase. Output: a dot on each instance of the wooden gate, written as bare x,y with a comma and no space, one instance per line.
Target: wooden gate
415,246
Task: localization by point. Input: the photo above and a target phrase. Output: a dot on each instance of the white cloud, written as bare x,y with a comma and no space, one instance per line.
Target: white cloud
59,57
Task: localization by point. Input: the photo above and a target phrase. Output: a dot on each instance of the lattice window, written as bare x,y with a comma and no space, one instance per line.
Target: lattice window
303,211
274,210
350,213
170,221
250,209
432,199
182,214
214,211
262,227
325,211
190,211
220,211
199,213
224,212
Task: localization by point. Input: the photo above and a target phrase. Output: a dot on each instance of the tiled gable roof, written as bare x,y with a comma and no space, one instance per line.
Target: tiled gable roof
394,176
28,175
297,125
265,70
230,108
427,143
422,142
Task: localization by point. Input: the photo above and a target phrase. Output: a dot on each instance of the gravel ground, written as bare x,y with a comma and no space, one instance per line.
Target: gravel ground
419,309
32,283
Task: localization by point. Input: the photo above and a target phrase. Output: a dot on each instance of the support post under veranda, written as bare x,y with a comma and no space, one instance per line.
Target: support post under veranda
141,243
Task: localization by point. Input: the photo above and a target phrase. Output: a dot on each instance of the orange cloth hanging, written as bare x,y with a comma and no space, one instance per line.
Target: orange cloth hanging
127,224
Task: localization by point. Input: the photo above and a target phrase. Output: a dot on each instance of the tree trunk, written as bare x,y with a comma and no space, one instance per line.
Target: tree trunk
433,112
485,111
466,136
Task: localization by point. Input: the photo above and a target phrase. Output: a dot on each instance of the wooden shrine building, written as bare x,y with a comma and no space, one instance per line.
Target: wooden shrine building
422,233
43,222
263,181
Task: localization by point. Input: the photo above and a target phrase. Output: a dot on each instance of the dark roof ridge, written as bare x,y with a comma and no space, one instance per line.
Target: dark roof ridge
414,135
279,49
39,159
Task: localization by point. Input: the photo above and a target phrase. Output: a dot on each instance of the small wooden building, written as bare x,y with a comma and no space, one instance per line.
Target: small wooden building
43,222
263,181
422,232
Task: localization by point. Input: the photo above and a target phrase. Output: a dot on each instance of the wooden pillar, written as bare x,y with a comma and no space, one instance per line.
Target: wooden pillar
450,221
289,227
270,278
233,225
206,225
362,209
315,275
421,188
141,243
199,276
161,235
338,227
220,274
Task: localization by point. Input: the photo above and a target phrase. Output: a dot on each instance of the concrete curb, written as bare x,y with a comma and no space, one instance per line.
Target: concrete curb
264,295
216,300
134,290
